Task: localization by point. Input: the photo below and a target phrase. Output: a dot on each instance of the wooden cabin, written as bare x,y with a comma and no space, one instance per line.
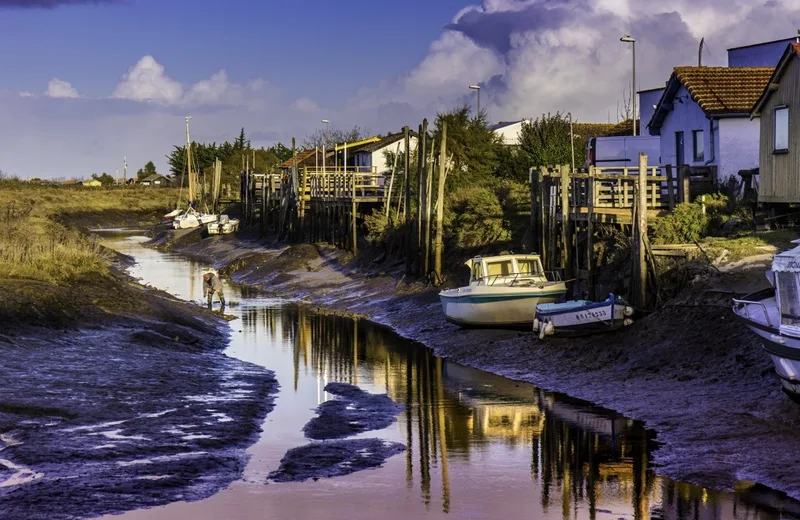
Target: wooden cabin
779,151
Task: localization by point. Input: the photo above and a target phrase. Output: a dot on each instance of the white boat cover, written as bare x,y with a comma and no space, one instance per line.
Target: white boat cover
788,261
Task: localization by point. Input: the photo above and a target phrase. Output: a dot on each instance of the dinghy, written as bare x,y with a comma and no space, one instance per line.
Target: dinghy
503,292
224,226
582,316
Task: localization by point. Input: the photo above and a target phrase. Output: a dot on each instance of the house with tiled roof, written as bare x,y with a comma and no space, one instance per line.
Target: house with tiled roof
375,154
703,118
778,114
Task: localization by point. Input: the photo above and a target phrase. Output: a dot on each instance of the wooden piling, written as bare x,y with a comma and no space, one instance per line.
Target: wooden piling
407,200
683,183
565,263
640,234
590,199
428,197
437,262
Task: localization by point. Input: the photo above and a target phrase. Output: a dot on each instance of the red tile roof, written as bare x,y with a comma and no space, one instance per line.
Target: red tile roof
724,90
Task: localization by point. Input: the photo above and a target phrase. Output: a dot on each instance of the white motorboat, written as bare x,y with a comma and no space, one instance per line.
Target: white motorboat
774,315
223,226
503,291
192,219
582,316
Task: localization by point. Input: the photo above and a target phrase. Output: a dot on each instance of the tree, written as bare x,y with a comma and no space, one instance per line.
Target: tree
241,142
333,137
148,170
473,145
105,179
546,141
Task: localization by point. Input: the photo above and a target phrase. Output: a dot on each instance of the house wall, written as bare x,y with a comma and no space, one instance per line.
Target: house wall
510,134
762,55
686,116
646,109
779,174
377,159
738,146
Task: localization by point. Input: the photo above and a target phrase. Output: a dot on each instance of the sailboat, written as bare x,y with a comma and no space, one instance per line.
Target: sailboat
191,218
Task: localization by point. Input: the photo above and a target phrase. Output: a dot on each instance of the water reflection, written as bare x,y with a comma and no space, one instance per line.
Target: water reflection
585,461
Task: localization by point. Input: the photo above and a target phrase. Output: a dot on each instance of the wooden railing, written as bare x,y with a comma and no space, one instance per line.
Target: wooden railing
615,188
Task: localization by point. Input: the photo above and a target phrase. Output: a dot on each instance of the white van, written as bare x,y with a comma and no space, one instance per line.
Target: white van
623,150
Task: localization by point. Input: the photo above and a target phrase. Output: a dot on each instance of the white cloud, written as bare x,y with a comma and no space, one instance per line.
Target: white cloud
146,81
305,104
57,88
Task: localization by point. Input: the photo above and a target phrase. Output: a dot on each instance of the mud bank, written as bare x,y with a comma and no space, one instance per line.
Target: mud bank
700,380
117,397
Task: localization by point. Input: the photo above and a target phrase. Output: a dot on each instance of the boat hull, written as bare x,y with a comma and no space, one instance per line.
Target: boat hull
584,317
783,350
506,309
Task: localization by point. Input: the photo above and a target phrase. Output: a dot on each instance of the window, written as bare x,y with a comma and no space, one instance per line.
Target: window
528,267
499,268
698,146
476,270
781,129
789,295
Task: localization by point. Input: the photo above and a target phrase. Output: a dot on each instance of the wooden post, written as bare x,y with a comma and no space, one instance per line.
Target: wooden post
590,234
542,214
407,200
670,187
534,226
564,171
422,152
437,262
428,197
353,222
387,198
683,183
640,232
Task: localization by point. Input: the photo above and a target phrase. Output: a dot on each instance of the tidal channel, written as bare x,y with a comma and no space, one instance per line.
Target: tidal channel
477,445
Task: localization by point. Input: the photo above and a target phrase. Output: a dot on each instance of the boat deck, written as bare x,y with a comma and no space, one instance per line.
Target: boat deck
763,312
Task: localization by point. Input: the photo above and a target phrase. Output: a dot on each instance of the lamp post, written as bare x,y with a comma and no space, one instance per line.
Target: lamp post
327,128
629,39
478,88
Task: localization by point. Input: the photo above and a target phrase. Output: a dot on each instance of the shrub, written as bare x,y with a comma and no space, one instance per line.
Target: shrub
474,218
685,224
515,200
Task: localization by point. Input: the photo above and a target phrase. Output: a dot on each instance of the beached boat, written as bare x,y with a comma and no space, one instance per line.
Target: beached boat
503,292
172,214
223,226
191,218
774,314
582,316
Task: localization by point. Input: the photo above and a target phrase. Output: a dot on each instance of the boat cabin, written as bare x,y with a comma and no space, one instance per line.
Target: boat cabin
505,269
786,272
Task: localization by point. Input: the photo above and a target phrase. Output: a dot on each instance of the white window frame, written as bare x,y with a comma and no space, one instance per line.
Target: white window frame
775,144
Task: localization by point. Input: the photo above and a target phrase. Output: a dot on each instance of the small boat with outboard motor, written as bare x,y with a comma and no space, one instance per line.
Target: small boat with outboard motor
582,316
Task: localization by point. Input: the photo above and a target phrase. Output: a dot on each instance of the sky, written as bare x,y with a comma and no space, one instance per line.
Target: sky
86,83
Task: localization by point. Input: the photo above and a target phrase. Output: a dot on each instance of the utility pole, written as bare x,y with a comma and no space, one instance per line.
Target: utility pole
125,170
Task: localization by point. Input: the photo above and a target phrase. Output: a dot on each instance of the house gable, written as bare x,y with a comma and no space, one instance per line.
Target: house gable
778,179
718,91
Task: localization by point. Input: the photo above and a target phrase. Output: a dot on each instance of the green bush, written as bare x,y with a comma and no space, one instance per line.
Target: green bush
686,224
474,218
515,199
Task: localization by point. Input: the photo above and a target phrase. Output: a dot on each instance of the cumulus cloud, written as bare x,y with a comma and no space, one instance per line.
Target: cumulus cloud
58,88
49,4
535,56
146,81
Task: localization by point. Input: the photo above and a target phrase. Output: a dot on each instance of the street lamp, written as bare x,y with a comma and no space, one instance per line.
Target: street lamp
478,88
324,142
629,39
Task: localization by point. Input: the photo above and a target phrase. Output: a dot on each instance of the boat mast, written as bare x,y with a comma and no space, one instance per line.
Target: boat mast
189,161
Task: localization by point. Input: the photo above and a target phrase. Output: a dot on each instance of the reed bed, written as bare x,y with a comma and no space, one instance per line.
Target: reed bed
33,245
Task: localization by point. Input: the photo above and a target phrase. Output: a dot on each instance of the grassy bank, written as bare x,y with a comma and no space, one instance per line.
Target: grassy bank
35,245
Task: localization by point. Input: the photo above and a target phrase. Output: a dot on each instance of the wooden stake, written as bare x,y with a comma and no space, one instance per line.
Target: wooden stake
407,200
437,262
388,198
590,194
565,221
422,152
640,231
428,197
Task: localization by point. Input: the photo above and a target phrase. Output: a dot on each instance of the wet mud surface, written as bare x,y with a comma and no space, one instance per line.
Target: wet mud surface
117,397
354,411
694,375
334,459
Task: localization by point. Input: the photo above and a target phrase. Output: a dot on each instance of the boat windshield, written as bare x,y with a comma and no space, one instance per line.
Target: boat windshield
789,297
502,268
529,267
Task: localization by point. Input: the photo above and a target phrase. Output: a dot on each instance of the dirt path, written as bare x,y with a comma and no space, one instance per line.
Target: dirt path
701,381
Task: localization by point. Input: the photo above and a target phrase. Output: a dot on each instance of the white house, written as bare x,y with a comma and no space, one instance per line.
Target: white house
508,131
703,118
373,154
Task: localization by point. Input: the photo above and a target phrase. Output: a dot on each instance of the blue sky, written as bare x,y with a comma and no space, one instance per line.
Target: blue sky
87,83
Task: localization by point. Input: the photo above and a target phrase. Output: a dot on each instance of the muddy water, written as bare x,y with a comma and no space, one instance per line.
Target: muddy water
478,445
